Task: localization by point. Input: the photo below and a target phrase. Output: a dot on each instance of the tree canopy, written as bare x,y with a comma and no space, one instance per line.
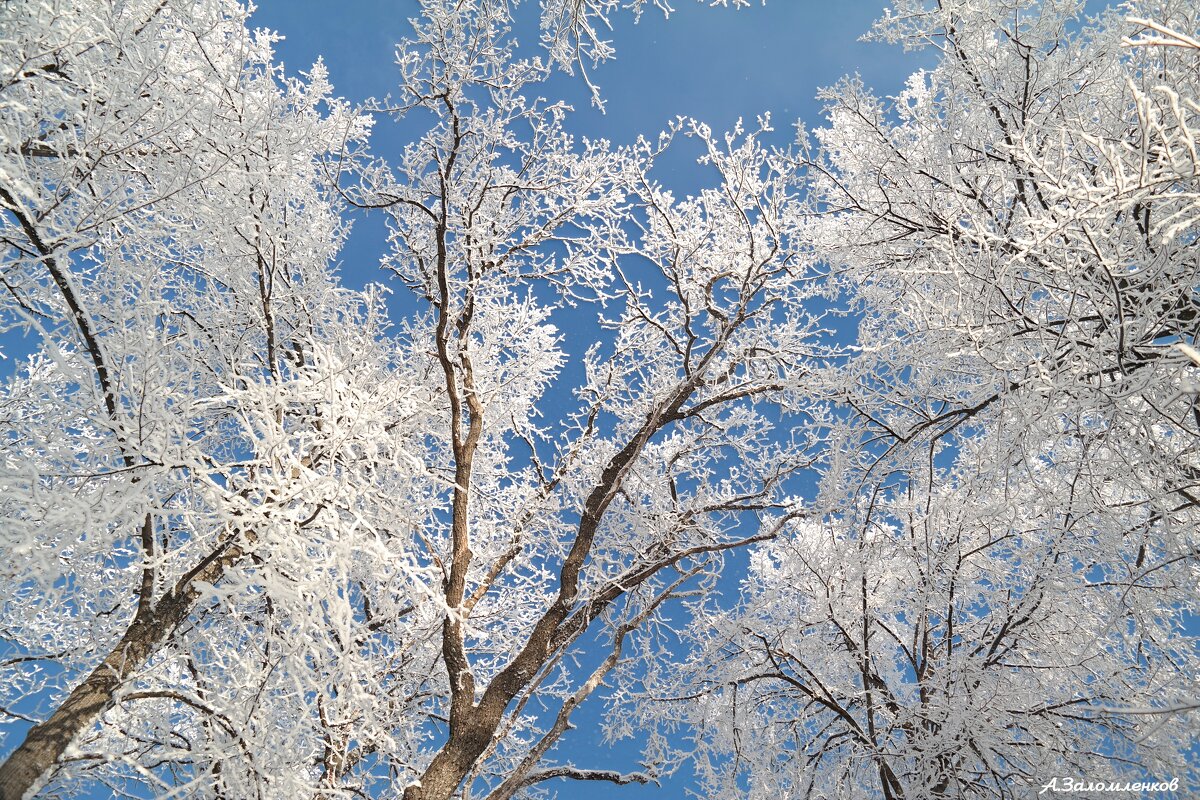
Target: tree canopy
879,475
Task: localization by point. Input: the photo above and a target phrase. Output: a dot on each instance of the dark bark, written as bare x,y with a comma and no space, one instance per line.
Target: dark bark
45,743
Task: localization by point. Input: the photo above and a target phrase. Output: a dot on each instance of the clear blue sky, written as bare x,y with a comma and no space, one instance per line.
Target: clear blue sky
713,64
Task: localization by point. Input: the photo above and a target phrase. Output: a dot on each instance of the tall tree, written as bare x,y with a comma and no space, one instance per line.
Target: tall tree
1002,600
177,450
546,536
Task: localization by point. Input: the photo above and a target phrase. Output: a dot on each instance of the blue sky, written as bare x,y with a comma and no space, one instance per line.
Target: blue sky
717,65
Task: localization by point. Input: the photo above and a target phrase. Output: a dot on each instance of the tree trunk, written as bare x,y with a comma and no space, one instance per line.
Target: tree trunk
45,743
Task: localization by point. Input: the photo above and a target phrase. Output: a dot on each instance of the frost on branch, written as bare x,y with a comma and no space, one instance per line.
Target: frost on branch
262,543
1002,594
582,526
194,456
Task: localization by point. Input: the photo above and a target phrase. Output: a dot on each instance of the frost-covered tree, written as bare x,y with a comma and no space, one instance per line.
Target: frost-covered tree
956,634
261,543
1002,597
191,459
677,443
261,546
1021,220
